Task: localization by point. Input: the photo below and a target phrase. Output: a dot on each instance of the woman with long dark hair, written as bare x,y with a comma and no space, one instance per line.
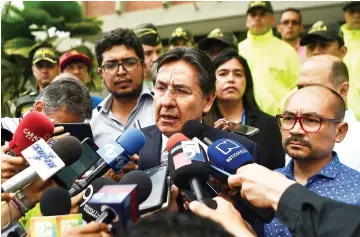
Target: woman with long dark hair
235,102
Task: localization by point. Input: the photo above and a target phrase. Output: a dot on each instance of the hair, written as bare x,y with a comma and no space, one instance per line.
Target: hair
339,73
169,224
66,91
292,10
248,98
119,36
196,58
339,103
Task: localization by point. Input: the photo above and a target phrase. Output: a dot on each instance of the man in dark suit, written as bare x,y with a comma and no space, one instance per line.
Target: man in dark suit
184,90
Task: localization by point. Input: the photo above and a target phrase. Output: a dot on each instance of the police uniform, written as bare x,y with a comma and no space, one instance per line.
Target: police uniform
25,102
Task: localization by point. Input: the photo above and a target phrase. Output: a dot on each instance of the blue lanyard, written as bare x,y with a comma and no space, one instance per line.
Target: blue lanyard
243,117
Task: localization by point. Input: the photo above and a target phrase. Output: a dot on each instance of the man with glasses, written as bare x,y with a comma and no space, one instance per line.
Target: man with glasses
45,68
121,67
290,28
311,124
274,64
352,59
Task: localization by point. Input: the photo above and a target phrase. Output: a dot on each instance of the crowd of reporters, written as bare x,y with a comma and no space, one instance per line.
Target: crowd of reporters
276,142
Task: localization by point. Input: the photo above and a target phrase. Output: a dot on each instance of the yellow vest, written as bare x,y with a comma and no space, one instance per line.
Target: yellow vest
352,61
275,68
25,221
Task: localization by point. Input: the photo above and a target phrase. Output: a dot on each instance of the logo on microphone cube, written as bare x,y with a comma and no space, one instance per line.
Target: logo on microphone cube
43,226
43,159
113,154
67,222
192,151
226,146
32,136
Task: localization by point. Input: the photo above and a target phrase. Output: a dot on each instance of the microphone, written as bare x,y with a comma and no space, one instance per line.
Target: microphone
230,155
88,211
55,206
120,203
32,127
189,167
55,201
194,128
44,162
116,155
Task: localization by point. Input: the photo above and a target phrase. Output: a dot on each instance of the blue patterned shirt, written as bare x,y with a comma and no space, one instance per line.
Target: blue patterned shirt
335,181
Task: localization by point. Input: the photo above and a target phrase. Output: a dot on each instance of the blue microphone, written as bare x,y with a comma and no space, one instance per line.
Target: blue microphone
229,155
115,155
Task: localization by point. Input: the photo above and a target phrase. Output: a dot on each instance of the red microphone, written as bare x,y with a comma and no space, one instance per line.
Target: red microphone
32,127
177,137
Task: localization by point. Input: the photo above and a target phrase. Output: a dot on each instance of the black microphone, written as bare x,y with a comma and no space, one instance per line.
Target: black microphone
189,167
194,128
55,201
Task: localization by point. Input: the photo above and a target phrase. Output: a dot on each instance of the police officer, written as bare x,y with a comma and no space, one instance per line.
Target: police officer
216,41
274,64
45,68
352,59
181,38
152,46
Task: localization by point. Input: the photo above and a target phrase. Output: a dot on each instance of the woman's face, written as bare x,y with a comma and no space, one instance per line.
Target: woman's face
230,80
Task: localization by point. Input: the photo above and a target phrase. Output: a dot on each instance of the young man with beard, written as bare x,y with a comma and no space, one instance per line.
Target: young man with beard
121,66
311,124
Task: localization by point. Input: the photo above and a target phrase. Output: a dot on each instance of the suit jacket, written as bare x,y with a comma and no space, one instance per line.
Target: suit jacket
269,138
150,154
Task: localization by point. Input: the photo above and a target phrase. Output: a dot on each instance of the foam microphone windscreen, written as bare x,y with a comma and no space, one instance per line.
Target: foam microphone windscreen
32,127
132,140
69,149
229,155
89,212
184,165
194,128
55,201
177,137
143,182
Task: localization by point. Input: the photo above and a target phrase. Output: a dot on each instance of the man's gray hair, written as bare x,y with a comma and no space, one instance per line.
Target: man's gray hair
69,93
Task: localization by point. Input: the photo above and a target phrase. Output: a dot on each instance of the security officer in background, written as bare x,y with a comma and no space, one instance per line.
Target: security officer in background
152,46
181,38
352,59
216,41
45,68
274,64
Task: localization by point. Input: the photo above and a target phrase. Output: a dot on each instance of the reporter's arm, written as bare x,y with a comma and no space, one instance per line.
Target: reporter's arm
307,214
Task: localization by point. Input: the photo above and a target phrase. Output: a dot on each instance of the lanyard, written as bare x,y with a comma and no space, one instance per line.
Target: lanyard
243,117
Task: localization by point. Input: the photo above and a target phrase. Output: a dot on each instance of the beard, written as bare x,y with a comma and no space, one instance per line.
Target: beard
134,93
299,157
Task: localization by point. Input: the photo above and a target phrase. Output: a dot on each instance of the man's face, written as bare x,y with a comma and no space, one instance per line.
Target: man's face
151,54
352,17
214,50
259,21
63,115
44,72
79,69
178,97
290,26
303,145
319,46
123,83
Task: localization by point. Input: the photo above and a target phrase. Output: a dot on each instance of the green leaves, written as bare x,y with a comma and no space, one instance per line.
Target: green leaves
19,46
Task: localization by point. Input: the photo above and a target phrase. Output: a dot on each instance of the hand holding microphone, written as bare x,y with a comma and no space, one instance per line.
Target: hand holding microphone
259,185
10,165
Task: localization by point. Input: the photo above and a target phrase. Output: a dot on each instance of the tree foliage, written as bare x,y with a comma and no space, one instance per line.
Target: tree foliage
18,41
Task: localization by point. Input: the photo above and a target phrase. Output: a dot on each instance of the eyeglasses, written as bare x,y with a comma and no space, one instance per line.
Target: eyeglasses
288,22
128,64
178,92
308,124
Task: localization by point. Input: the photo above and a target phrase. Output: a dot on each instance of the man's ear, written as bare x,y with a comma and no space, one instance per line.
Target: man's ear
39,106
343,51
341,131
344,89
273,20
209,100
99,72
